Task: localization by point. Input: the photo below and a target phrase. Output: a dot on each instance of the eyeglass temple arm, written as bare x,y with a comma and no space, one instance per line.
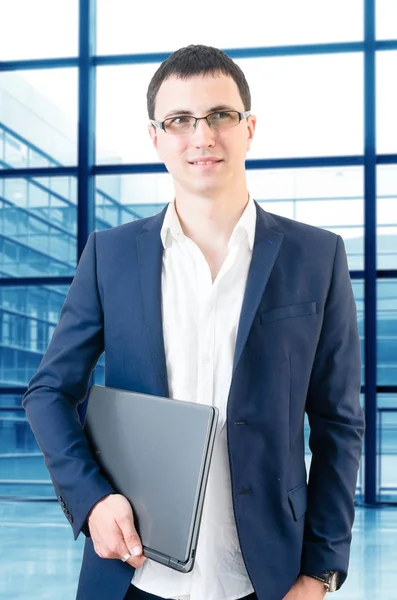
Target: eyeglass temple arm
157,124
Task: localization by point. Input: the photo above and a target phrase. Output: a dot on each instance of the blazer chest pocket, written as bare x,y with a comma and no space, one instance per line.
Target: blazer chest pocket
303,309
298,500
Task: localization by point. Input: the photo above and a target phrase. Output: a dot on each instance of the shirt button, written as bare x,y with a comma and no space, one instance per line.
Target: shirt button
206,359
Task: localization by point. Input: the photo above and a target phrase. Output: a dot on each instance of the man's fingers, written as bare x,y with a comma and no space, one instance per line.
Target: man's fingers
113,532
132,542
133,559
136,561
131,537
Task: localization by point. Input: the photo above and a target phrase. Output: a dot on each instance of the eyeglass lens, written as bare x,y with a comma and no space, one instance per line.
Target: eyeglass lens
186,124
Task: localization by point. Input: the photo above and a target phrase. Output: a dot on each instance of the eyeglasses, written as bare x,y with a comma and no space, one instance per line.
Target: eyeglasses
182,124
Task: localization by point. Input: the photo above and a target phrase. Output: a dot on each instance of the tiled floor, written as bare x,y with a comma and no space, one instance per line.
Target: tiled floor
40,561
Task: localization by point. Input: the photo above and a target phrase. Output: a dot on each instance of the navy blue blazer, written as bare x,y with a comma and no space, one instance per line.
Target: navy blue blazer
297,350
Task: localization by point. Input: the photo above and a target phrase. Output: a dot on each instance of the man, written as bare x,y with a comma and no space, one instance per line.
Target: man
215,301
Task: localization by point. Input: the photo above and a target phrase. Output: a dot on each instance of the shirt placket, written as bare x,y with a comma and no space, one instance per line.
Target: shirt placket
205,332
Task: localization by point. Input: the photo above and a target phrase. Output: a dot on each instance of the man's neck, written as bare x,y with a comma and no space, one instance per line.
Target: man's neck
210,223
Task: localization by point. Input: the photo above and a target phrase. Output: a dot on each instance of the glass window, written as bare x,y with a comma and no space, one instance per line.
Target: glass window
386,93
38,227
15,151
121,116
37,159
121,29
361,470
39,109
28,316
387,447
386,19
306,106
308,457
358,290
39,29
2,147
123,198
387,332
387,217
331,198
22,469
15,433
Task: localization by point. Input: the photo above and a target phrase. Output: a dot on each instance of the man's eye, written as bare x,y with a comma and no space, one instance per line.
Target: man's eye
221,115
180,121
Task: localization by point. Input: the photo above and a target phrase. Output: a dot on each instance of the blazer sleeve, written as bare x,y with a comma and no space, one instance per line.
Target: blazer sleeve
336,429
59,385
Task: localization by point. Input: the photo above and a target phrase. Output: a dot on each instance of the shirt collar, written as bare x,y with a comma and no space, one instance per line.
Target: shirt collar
171,228
245,226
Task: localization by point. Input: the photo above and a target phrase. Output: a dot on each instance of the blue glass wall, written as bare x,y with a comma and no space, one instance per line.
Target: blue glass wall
50,184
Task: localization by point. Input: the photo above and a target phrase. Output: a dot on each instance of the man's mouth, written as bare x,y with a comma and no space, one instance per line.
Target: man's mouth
205,163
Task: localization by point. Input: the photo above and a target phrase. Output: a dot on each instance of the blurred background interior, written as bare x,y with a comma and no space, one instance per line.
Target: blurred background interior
75,156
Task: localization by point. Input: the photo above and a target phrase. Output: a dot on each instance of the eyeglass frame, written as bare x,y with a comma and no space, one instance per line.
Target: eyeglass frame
160,124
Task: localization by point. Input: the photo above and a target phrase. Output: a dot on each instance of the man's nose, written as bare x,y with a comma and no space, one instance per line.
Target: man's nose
203,134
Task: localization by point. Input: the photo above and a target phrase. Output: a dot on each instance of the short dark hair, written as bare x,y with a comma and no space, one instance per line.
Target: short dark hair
197,60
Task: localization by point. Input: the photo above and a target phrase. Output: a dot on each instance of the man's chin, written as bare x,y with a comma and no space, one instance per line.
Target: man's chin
207,187
201,186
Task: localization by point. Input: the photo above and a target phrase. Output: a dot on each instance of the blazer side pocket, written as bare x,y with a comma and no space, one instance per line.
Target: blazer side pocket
288,312
298,500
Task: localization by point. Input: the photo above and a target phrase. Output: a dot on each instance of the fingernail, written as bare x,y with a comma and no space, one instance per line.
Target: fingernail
136,551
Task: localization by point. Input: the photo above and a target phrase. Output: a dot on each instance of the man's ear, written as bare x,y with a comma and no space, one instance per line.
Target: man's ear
153,135
251,124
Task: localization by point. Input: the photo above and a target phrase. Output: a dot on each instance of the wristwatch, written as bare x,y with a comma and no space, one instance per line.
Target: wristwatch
330,579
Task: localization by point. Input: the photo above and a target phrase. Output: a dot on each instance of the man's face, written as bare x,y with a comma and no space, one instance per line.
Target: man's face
199,96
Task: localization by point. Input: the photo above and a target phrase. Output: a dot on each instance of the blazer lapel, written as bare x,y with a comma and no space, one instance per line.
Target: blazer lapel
150,255
266,247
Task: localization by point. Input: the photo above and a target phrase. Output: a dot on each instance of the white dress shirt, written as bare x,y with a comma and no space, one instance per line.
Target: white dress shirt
200,321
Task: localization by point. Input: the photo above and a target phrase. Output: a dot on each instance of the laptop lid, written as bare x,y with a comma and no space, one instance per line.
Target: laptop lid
156,452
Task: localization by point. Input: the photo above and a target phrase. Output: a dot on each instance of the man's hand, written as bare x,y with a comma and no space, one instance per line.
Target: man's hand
306,588
112,530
